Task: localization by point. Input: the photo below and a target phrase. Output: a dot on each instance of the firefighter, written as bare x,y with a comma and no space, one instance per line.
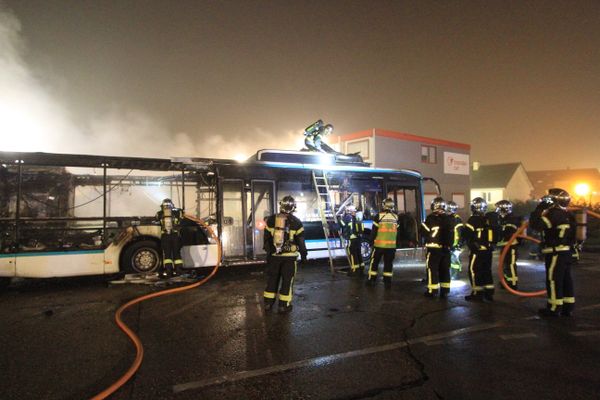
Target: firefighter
383,240
314,135
438,231
455,264
558,227
509,223
352,231
478,235
284,240
170,220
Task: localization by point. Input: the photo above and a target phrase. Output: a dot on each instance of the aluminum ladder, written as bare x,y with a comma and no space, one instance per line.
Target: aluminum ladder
326,212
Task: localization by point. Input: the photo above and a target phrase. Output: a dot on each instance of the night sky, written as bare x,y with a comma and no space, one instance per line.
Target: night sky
518,80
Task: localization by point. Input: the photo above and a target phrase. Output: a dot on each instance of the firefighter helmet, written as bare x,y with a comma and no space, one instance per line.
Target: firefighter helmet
451,207
478,205
351,209
287,205
388,205
559,197
504,207
438,205
167,203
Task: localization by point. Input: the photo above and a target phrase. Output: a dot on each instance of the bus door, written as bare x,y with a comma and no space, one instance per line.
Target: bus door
408,206
233,218
260,205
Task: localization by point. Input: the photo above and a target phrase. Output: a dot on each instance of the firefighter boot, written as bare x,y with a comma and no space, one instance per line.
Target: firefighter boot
283,309
488,295
269,305
567,310
547,312
387,282
474,297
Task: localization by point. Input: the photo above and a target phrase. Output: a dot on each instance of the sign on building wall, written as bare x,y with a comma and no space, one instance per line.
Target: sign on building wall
456,163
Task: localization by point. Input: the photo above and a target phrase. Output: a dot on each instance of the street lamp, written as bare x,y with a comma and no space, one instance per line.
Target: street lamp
582,190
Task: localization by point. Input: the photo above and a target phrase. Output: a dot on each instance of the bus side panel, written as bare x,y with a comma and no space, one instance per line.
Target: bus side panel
7,265
317,248
201,255
111,257
50,265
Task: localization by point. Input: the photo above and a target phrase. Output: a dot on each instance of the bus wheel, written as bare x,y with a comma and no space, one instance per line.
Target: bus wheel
365,250
142,257
4,282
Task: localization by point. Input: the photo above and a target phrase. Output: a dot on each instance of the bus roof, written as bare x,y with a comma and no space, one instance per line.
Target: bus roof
181,163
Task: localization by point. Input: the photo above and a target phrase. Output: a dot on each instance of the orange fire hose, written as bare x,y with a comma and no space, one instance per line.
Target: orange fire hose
519,234
133,337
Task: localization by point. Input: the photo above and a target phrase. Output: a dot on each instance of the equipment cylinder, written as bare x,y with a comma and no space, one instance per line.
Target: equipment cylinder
581,219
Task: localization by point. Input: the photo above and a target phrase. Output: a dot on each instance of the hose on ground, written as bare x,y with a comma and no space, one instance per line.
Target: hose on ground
139,348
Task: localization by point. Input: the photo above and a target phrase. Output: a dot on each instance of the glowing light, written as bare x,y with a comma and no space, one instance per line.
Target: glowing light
240,157
582,189
260,225
458,284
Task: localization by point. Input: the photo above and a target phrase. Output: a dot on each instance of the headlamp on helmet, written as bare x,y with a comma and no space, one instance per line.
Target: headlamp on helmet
451,207
388,205
438,205
560,197
478,205
504,207
287,205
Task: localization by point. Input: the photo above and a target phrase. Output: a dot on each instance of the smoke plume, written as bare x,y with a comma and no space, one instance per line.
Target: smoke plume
33,118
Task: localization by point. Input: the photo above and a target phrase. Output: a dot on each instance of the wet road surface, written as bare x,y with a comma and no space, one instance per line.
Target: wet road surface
342,340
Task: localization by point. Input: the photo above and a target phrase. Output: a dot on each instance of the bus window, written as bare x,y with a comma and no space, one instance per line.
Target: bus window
140,193
8,207
51,199
307,206
200,196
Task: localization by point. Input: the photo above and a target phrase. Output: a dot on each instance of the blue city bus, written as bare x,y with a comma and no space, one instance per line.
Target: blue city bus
73,215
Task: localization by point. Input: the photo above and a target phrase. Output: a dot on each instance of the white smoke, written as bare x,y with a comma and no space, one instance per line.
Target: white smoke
32,118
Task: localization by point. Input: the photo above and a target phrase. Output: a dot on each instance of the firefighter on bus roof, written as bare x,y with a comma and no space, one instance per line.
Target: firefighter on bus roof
558,227
352,231
283,241
314,135
170,220
438,230
384,235
509,223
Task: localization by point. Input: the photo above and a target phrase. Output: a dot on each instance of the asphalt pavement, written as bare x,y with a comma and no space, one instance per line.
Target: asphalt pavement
342,340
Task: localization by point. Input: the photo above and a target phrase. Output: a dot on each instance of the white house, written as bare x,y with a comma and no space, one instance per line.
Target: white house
500,182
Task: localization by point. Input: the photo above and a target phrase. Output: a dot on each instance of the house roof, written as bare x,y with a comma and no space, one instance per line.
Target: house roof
543,180
572,175
402,136
493,176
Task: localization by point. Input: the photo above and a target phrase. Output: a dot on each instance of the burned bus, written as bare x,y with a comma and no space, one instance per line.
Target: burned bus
71,215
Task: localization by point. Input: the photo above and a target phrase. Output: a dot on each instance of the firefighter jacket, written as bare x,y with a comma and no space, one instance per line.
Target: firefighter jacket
557,226
384,233
171,226
478,233
284,236
351,227
438,231
458,229
508,226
